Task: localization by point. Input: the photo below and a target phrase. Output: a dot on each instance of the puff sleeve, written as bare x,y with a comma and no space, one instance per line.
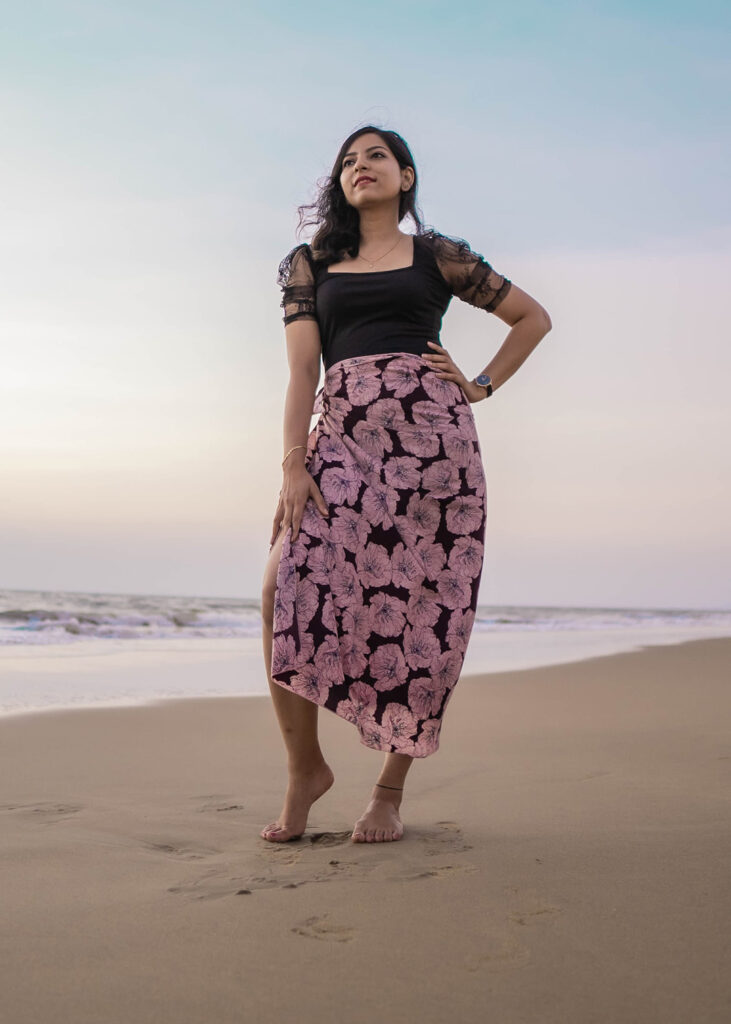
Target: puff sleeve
468,274
296,278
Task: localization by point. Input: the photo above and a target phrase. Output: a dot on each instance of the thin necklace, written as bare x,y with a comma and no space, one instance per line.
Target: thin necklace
372,265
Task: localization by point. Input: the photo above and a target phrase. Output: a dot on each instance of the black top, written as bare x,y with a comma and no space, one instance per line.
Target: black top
378,311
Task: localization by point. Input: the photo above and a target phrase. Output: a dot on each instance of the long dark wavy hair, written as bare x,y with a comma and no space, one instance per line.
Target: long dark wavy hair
337,222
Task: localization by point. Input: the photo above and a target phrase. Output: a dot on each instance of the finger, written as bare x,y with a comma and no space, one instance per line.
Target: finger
320,501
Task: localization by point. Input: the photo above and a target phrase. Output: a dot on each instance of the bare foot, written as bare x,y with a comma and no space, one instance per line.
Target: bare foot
381,822
303,789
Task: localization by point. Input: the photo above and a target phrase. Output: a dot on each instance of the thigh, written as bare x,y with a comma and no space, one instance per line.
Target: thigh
269,583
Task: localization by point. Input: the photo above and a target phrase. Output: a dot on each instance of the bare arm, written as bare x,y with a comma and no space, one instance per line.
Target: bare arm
303,356
529,323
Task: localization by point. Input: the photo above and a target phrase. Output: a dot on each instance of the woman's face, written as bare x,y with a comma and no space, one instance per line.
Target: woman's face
369,157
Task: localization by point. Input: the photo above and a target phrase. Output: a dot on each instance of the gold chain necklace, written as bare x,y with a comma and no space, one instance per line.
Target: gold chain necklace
372,265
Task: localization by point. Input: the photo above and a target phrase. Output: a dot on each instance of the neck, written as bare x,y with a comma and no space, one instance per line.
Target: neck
379,227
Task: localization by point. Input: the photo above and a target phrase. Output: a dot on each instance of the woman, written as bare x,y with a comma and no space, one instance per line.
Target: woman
370,589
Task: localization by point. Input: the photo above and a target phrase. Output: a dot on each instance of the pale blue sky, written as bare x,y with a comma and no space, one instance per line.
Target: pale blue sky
153,156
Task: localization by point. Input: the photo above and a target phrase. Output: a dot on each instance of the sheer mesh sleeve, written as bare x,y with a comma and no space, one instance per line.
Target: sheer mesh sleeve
468,274
297,280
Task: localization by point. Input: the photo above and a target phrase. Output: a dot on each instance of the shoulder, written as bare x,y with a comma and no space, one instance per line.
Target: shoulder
298,261
449,247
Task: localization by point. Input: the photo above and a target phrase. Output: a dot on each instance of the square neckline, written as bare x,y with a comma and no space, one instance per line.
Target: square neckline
370,273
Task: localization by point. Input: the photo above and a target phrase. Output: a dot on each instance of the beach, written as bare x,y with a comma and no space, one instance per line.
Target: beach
565,858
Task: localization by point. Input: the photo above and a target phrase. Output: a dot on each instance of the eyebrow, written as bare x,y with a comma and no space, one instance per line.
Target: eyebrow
353,151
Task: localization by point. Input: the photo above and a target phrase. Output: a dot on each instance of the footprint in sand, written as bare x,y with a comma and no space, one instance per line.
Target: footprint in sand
217,802
45,812
506,954
180,849
321,928
329,838
443,871
449,839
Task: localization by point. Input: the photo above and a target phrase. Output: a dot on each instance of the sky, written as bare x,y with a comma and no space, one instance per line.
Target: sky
152,158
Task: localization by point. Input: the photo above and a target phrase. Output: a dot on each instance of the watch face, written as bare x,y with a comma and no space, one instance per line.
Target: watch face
483,379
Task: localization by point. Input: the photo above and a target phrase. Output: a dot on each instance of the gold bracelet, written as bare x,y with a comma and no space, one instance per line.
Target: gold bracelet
291,450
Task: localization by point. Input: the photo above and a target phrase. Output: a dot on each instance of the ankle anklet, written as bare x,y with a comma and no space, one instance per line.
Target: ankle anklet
399,788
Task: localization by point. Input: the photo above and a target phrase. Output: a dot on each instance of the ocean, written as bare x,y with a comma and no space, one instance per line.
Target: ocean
63,649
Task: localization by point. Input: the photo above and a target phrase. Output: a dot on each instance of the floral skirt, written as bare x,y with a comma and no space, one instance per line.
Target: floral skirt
375,603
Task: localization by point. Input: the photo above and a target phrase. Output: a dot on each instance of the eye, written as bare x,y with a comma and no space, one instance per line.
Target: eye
350,159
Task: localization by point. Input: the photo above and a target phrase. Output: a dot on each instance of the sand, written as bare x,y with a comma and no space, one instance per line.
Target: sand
567,858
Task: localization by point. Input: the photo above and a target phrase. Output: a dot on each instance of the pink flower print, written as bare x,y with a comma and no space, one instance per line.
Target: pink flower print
387,614
340,485
327,660
466,420
354,655
423,608
334,379
433,556
430,413
308,683
387,413
475,476
441,479
328,618
300,548
444,392
362,384
419,439
406,570
455,590
458,448
425,696
424,513
322,561
387,666
403,472
401,377
334,412
357,620
283,653
428,741
402,724
306,649
421,646
330,449
307,600
459,629
446,669
378,505
345,586
374,566
313,523
406,530
466,557
349,529
361,703
465,514
284,596
372,439
374,735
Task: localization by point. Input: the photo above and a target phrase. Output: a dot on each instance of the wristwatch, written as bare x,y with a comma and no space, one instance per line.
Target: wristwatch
484,381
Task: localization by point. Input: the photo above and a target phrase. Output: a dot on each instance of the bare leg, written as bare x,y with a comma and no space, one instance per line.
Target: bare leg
309,774
380,822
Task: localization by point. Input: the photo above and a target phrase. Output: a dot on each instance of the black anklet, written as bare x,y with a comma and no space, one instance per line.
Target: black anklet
399,788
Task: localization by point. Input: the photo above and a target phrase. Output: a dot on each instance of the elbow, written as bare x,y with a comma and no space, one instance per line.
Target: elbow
545,320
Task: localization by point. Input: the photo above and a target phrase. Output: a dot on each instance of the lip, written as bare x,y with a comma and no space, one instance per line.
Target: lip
364,181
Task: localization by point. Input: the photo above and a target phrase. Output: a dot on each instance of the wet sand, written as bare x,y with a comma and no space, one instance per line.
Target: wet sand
565,859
